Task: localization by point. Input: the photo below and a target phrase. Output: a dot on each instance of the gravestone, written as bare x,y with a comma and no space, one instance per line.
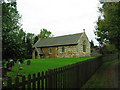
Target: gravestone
20,65
28,62
21,61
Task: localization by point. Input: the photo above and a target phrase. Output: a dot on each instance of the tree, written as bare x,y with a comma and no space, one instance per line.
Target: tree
92,45
44,33
108,24
110,47
29,44
36,39
10,30
16,43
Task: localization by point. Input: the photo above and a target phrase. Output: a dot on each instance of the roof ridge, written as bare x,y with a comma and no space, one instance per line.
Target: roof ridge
67,35
62,35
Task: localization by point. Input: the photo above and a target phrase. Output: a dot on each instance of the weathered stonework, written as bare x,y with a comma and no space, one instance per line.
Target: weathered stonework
33,53
69,50
81,41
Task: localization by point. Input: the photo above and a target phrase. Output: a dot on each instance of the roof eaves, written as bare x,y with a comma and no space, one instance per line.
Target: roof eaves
57,45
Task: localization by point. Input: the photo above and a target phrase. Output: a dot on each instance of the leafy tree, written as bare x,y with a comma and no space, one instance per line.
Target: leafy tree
108,24
31,36
92,45
110,47
10,30
16,43
44,33
36,39
29,44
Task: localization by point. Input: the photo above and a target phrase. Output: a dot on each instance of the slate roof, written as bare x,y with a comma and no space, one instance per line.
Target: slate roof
71,39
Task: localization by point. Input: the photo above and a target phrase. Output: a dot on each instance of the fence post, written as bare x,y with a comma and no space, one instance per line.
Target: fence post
34,80
38,80
56,78
78,79
23,82
9,83
16,82
46,79
61,77
29,81
53,78
49,78
42,81
59,81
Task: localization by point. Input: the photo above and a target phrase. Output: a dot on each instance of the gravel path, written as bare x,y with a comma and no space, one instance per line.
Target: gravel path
106,76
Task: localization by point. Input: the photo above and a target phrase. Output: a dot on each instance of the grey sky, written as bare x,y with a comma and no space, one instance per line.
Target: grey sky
61,17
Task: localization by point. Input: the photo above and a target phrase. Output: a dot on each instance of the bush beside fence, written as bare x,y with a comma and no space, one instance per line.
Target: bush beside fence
71,76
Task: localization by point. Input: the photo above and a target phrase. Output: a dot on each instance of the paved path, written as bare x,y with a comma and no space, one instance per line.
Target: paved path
106,76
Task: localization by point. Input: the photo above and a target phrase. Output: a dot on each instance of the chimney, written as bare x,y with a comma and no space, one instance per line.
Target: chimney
83,30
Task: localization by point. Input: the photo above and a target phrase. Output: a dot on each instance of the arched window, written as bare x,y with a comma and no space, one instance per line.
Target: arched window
36,53
63,49
50,50
84,46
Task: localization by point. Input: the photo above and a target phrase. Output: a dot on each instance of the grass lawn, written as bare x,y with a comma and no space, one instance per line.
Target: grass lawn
39,65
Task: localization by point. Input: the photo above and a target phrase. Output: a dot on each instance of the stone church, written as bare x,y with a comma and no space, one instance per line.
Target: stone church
73,45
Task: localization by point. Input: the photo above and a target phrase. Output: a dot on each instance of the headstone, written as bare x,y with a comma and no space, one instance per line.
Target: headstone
11,62
28,62
21,61
20,65
15,60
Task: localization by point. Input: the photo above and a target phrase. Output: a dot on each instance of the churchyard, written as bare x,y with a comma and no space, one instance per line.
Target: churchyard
31,66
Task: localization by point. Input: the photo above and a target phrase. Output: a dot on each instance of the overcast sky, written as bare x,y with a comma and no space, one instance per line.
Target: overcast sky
61,17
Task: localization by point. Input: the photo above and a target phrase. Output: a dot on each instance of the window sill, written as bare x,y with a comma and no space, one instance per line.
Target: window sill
50,53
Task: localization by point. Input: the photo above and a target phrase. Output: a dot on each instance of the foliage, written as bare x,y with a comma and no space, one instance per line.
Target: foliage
16,43
108,24
36,39
29,44
92,45
44,33
11,26
110,47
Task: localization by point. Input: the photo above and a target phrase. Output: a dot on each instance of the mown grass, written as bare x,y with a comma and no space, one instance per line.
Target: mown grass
39,65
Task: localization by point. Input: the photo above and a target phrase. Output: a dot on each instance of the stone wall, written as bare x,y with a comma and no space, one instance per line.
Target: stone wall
33,54
70,51
83,41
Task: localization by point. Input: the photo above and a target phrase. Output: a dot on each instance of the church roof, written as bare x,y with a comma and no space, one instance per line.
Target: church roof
71,39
